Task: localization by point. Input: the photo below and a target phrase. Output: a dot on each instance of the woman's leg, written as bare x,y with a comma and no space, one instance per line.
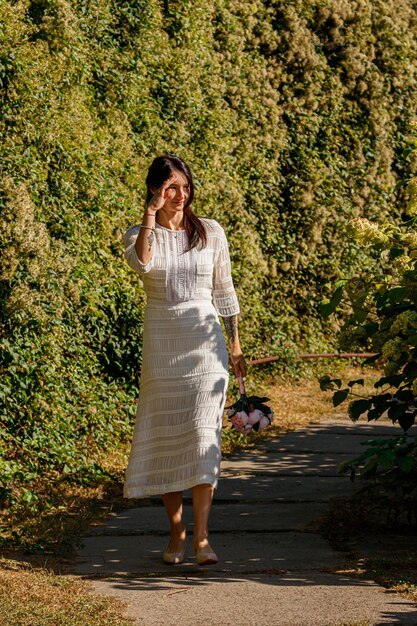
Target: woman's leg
202,500
173,506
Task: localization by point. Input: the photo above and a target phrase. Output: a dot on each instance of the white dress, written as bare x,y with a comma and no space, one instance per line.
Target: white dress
176,440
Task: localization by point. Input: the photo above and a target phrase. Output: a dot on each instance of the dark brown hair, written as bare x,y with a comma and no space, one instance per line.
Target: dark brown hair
159,171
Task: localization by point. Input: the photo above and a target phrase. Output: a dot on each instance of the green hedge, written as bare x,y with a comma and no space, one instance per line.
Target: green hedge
293,116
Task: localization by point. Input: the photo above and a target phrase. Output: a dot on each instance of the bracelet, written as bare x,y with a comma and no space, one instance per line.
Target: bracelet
150,227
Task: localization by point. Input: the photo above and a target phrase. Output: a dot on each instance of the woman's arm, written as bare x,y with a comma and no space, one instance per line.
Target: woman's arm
144,244
226,303
236,355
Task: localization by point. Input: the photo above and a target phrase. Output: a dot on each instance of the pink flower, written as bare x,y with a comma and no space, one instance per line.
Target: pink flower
240,420
263,422
255,416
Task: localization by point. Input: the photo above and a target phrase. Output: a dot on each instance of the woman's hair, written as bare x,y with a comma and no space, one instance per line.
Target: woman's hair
159,171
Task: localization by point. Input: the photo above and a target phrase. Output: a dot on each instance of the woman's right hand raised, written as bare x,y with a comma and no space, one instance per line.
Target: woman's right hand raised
160,195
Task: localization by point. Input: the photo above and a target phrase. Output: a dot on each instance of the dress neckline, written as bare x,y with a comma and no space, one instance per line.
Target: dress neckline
171,230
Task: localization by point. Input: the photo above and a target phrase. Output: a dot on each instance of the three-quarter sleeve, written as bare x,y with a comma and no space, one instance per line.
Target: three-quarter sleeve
130,252
224,294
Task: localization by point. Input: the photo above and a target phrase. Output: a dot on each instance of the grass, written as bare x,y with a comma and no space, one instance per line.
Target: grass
37,597
34,587
397,573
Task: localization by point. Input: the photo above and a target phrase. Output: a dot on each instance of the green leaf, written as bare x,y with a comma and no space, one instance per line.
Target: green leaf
381,399
359,381
376,412
410,370
372,359
404,395
371,328
327,383
370,467
395,380
396,411
358,407
406,420
396,294
359,314
340,396
325,308
344,466
324,382
386,458
395,252
341,283
328,307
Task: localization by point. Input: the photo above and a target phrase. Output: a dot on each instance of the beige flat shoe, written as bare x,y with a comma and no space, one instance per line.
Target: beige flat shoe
205,556
173,558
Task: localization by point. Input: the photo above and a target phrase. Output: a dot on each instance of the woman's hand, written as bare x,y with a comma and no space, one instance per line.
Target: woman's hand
238,362
160,195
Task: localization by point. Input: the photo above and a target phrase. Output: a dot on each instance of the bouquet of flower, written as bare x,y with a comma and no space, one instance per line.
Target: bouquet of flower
249,413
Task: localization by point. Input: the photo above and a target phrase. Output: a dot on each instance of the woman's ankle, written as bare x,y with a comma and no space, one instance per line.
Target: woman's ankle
201,541
178,532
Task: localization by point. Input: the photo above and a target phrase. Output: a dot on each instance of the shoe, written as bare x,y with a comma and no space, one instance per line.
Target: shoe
173,558
205,556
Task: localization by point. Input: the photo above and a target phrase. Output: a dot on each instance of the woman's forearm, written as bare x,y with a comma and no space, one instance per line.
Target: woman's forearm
231,326
144,244
236,355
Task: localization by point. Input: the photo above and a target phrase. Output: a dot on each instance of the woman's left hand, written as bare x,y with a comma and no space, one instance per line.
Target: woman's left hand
238,363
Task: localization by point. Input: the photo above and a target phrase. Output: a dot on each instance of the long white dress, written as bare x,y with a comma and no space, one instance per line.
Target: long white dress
176,440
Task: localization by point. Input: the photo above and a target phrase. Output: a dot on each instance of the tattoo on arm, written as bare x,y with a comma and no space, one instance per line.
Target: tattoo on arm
150,241
230,324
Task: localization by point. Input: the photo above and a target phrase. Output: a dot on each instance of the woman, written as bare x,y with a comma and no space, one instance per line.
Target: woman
184,263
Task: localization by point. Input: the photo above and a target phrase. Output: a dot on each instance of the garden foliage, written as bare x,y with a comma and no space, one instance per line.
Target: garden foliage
382,318
292,115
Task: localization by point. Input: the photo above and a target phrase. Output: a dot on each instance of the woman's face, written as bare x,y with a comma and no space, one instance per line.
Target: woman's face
177,193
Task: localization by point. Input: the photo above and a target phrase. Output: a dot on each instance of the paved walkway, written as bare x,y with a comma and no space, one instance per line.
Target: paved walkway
274,568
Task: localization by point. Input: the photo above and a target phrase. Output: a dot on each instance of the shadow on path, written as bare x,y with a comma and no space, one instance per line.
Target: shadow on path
274,567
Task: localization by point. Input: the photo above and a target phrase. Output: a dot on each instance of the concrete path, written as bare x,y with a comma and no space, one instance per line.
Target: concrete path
274,568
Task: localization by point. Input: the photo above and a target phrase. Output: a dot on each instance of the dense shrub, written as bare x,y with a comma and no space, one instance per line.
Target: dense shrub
292,116
382,307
